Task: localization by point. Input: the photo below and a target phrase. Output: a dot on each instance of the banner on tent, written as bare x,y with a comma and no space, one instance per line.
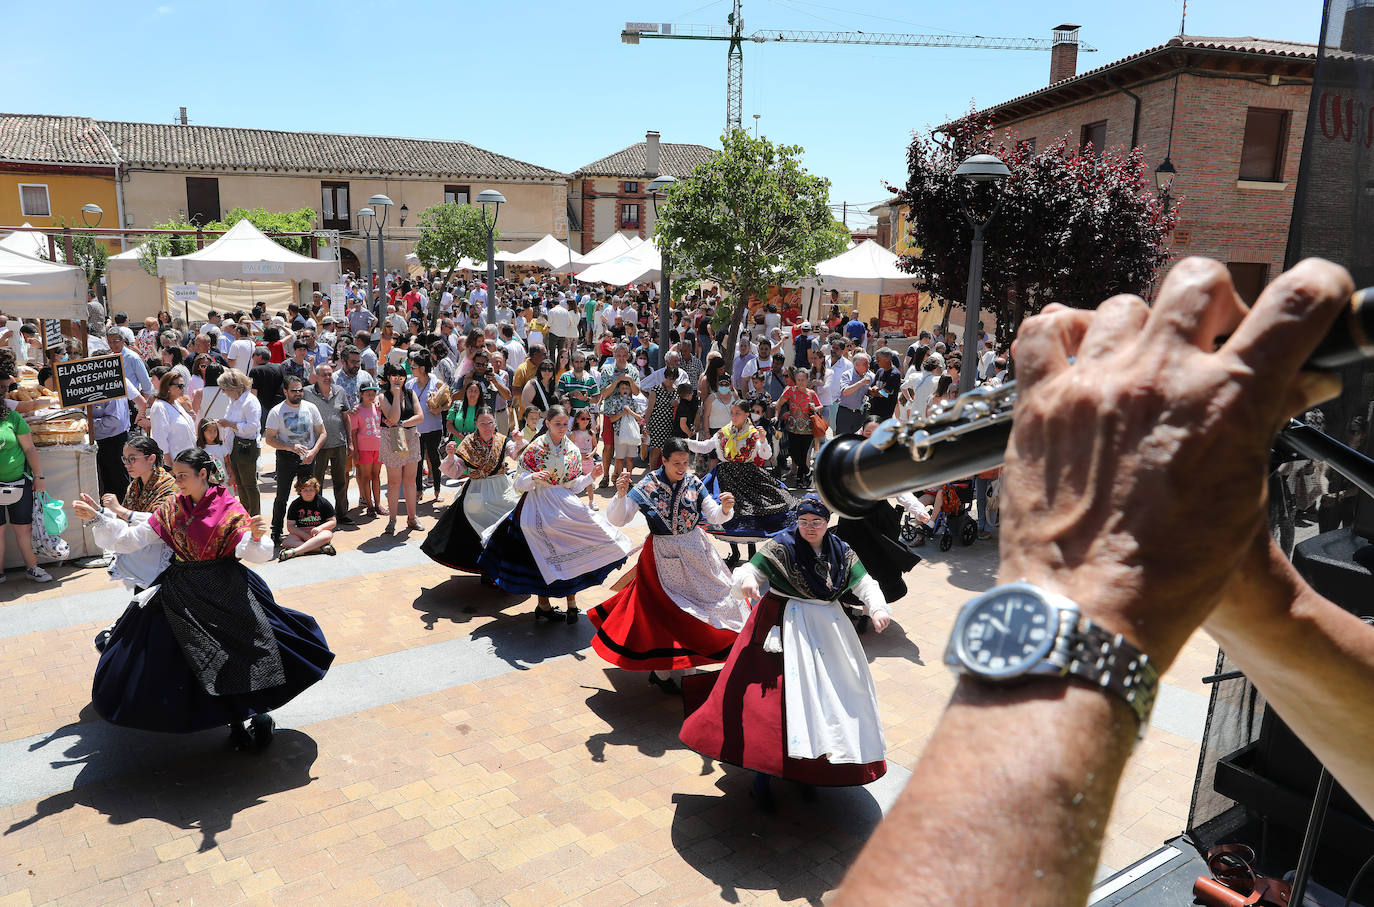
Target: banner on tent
81,382
264,267
185,292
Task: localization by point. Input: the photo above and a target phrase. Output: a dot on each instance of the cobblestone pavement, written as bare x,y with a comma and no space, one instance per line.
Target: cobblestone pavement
457,753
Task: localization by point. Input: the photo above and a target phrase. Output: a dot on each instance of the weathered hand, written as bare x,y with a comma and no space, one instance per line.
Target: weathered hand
1109,455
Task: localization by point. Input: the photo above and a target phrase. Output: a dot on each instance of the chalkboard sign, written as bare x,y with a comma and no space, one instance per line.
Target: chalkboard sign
52,333
81,382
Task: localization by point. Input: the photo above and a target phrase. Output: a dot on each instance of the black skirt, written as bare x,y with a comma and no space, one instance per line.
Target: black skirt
452,541
874,538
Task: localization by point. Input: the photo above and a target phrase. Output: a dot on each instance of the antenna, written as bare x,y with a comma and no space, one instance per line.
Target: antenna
1183,23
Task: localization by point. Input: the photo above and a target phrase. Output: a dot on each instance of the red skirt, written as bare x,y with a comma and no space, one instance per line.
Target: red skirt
736,714
641,629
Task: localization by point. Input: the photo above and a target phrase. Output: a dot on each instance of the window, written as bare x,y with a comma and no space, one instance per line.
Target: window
1094,134
1261,155
460,194
202,199
33,200
631,187
1026,145
629,216
1249,279
334,206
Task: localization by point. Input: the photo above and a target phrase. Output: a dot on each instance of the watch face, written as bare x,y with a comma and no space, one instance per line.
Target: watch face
1006,633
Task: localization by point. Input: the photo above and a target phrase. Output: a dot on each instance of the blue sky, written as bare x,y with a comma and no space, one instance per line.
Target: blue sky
550,82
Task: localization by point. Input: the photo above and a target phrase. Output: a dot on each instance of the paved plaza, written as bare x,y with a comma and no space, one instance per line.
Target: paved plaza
458,753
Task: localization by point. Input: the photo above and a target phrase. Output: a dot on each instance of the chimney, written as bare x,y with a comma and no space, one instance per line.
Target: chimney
181,115
651,153
1064,53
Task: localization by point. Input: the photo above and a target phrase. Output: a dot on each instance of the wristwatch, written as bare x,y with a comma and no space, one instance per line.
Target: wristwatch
1021,630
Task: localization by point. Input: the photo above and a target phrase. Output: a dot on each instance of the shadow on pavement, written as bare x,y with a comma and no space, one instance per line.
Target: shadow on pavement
803,851
891,643
973,568
458,598
520,642
202,786
639,715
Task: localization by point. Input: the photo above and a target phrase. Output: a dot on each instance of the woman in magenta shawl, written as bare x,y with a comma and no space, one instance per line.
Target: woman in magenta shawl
206,645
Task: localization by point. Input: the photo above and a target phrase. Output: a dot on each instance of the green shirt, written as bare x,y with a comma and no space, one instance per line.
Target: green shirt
568,382
463,418
12,457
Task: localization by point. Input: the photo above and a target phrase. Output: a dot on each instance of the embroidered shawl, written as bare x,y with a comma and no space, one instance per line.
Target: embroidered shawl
201,531
737,444
482,457
795,570
563,459
146,496
670,508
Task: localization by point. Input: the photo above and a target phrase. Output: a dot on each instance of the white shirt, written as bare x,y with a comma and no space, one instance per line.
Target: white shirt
173,428
923,388
300,424
515,354
562,321
246,414
241,354
836,376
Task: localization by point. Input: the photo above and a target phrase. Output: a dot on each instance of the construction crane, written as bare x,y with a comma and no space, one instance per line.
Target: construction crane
733,32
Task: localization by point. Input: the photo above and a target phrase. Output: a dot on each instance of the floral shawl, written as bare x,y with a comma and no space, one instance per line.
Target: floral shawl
564,460
737,444
795,570
145,497
483,458
201,532
670,508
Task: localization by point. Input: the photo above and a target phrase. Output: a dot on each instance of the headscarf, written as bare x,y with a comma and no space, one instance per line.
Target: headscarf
202,531
146,496
736,443
795,569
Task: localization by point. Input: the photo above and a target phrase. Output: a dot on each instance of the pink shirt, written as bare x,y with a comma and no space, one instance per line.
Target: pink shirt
368,424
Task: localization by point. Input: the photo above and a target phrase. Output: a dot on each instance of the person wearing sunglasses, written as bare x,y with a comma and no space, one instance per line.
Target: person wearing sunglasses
172,422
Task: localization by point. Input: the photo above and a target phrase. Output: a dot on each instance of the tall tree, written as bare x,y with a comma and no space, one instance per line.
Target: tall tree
165,245
449,233
88,253
748,218
1073,226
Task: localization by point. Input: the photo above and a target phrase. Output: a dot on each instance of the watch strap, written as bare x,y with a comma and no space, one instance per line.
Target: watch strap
1106,660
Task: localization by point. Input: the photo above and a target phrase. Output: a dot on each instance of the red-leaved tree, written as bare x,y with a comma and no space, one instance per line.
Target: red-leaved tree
1071,226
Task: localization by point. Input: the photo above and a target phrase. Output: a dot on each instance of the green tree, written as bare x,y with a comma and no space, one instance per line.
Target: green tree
449,233
750,217
166,245
88,253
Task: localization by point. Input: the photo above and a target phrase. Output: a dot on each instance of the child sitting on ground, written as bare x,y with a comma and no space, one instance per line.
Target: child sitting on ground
310,522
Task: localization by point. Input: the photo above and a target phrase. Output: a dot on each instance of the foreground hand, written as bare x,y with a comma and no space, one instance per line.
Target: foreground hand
749,588
85,508
881,620
597,471
622,484
257,527
1108,456
727,501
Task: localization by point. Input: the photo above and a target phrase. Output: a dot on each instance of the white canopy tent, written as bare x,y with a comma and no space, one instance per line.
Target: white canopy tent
866,268
133,290
33,288
246,253
547,253
616,245
640,265
34,245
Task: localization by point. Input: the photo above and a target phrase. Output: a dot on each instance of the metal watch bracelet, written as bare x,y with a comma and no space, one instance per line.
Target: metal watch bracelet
1105,660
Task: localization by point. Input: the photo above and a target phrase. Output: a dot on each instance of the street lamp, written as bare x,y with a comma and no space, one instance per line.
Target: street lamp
495,199
381,205
366,217
660,185
1165,174
92,210
978,170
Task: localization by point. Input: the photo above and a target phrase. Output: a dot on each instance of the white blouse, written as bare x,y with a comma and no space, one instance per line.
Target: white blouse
246,414
763,450
115,535
174,429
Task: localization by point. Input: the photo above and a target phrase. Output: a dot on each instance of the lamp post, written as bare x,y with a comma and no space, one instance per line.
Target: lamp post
660,185
381,205
980,169
366,216
1165,174
92,210
495,199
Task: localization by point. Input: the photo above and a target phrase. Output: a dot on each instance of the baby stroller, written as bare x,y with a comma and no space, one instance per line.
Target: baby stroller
953,518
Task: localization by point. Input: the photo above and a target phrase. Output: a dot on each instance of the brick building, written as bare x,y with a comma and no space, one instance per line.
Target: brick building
1228,112
610,195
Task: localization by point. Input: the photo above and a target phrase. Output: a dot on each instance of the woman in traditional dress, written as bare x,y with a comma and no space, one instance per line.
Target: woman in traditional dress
486,499
795,698
678,610
206,645
551,545
763,506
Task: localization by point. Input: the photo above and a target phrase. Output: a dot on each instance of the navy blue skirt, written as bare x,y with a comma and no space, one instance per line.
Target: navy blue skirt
143,680
508,560
763,505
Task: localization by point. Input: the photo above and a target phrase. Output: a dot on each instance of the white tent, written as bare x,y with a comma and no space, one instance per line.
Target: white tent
547,253
616,245
133,290
245,253
641,264
34,245
33,288
866,268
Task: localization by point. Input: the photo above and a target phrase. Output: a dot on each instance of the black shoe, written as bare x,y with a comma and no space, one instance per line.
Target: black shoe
667,684
552,615
263,726
239,737
345,521
276,540
572,614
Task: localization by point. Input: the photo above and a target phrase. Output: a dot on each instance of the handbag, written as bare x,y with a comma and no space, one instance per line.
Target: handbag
245,447
439,399
11,492
818,425
628,429
46,545
54,516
